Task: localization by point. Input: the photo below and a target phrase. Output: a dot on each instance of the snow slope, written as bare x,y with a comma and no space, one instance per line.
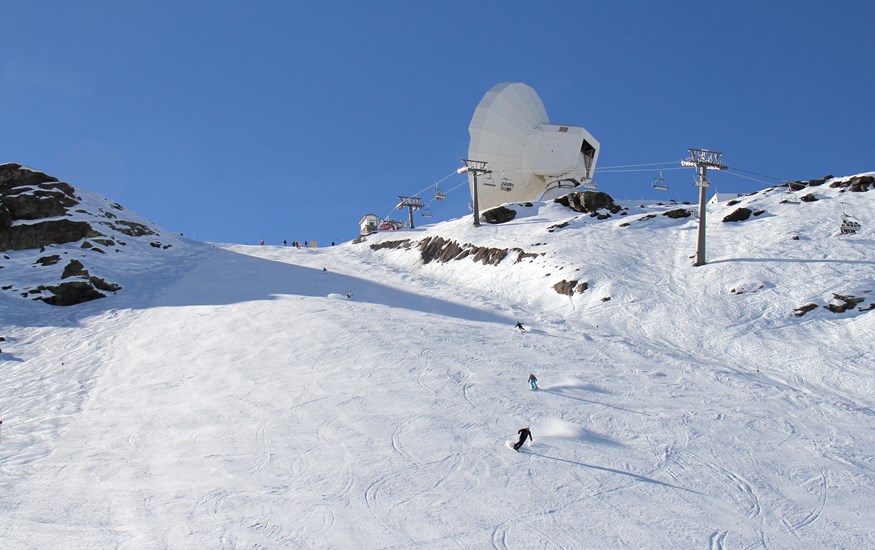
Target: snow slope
232,396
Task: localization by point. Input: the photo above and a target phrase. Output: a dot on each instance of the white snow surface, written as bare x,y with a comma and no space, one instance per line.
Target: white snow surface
233,397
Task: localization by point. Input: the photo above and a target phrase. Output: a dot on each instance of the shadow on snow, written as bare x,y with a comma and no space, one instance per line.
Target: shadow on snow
223,277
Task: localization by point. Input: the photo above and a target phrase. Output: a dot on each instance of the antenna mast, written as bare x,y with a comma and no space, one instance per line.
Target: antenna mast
702,159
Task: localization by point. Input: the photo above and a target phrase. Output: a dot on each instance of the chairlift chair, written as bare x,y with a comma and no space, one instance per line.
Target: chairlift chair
426,212
438,194
850,224
789,196
659,182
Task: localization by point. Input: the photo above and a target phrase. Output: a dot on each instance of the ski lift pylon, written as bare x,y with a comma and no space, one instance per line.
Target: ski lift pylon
659,182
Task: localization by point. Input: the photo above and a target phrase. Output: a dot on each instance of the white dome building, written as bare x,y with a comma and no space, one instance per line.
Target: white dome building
530,158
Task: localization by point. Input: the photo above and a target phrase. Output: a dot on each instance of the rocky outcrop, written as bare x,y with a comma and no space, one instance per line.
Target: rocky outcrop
499,214
856,184
74,269
438,249
802,310
739,215
678,213
36,235
802,184
38,211
847,302
568,288
590,202
48,260
72,293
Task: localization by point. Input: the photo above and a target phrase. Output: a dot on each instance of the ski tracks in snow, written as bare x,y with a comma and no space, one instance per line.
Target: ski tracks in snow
811,517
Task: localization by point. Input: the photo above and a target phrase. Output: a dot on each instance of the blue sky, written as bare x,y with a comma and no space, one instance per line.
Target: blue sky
240,121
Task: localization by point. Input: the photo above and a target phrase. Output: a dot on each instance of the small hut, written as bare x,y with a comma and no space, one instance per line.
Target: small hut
368,224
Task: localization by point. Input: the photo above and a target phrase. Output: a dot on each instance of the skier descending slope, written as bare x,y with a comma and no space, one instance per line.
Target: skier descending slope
533,381
520,326
524,434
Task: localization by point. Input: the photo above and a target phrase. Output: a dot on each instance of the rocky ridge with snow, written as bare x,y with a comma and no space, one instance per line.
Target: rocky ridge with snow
66,233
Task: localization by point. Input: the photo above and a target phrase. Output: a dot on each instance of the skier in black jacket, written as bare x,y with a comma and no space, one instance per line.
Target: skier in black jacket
524,434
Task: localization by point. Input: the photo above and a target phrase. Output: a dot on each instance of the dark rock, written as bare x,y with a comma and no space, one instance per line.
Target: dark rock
733,202
131,229
553,227
581,288
808,198
46,201
499,214
74,269
489,256
103,285
436,248
23,237
860,184
5,216
443,250
739,215
857,184
589,201
394,245
802,310
72,293
565,287
819,181
606,299
678,213
49,260
14,175
523,255
848,302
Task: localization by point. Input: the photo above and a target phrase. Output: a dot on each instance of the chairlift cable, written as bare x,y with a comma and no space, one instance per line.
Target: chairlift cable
731,173
599,170
755,173
636,165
